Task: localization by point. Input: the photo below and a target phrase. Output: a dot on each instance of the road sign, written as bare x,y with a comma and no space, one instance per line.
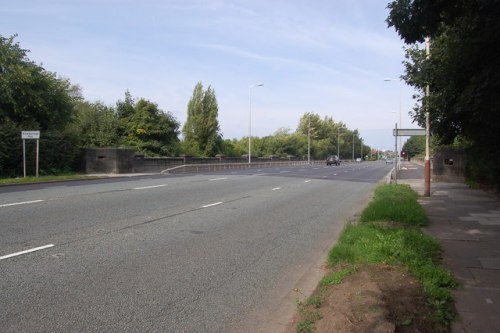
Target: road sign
30,134
408,132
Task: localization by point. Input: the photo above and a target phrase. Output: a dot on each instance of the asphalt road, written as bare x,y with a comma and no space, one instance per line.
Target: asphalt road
211,252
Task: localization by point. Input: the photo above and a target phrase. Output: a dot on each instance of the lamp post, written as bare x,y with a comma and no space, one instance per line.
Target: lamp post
250,120
427,161
353,146
338,141
309,141
400,120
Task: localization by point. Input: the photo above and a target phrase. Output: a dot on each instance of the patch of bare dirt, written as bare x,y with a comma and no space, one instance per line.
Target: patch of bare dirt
375,299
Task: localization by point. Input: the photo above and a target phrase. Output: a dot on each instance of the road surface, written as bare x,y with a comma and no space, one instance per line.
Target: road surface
215,252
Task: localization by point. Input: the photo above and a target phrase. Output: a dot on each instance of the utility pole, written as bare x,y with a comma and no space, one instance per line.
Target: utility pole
353,146
427,170
309,141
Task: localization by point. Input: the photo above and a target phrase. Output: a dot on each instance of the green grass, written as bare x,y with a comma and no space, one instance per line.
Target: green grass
41,179
388,233
337,277
395,203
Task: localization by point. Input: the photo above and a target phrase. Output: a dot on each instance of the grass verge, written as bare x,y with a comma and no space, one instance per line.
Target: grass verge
41,179
389,233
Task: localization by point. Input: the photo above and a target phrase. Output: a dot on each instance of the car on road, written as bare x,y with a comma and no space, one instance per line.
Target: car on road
358,160
332,159
389,160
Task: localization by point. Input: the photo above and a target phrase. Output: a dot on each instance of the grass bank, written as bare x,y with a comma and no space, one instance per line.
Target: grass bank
388,233
41,179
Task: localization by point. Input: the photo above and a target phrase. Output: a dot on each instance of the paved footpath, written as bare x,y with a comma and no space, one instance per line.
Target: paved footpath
467,224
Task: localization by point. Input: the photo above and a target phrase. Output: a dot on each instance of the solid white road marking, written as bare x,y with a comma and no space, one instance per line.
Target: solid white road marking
307,181
21,203
26,251
210,205
214,179
148,187
276,188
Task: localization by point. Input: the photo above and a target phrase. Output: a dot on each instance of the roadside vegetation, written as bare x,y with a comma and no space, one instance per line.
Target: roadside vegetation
33,98
387,238
41,179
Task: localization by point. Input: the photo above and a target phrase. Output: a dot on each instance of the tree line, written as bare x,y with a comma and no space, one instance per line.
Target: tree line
462,72
33,98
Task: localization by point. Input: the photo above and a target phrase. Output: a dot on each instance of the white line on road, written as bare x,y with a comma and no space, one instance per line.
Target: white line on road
276,188
210,205
148,187
307,181
285,171
21,203
213,179
26,251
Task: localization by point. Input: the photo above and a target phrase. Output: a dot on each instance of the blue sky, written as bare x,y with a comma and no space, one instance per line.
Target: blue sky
329,57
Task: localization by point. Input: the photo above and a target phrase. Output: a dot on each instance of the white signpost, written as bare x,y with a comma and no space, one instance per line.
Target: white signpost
404,132
27,135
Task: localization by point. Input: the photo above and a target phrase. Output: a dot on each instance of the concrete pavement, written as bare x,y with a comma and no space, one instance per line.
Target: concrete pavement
467,224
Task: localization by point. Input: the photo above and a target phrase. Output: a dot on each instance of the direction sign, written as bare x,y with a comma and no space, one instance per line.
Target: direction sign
408,132
30,134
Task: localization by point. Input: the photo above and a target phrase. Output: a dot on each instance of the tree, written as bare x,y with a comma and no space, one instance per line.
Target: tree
96,124
201,130
32,98
414,146
147,129
463,71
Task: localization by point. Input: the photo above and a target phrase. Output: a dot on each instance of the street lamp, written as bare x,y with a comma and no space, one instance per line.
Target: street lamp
338,140
353,146
309,141
250,120
400,119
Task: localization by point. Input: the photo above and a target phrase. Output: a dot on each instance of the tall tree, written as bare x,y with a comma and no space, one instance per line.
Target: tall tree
201,130
30,96
148,129
96,125
463,70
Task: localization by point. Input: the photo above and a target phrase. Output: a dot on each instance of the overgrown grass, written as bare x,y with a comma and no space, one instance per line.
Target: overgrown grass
22,180
388,233
395,203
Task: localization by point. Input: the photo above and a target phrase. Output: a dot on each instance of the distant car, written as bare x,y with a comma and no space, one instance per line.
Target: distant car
332,159
389,160
358,160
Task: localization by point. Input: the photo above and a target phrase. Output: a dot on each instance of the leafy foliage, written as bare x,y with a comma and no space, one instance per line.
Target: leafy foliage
201,130
463,70
146,128
414,146
30,96
96,124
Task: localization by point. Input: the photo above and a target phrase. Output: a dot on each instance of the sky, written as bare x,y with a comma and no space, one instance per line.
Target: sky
329,57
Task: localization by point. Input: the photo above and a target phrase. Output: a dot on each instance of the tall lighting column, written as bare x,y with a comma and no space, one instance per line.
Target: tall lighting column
427,161
338,141
250,120
400,121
